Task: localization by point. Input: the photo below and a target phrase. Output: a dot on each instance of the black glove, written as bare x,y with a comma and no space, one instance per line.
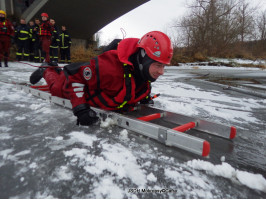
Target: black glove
86,117
147,101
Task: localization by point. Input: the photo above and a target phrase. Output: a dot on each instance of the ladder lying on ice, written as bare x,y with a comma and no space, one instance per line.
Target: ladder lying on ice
143,125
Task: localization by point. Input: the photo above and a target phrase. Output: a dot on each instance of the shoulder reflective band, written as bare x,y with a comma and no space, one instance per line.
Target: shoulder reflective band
26,32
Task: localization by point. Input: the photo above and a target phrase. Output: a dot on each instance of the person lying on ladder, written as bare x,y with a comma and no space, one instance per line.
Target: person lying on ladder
115,80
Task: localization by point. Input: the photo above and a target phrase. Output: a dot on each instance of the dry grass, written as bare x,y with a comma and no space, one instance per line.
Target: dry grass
81,54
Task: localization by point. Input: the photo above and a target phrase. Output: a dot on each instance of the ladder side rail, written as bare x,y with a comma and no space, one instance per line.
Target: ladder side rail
210,127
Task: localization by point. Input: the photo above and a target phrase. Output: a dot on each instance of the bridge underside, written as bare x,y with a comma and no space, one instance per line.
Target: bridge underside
83,18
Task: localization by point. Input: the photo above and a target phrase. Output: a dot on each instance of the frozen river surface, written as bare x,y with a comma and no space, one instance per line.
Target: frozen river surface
43,154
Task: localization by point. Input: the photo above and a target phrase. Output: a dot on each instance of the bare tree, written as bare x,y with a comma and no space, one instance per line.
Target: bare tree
261,25
210,26
245,14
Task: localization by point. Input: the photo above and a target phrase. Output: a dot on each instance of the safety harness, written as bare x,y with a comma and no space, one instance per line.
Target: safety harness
126,96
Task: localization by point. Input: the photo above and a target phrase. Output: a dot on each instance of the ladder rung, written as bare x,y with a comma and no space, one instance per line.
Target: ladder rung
44,89
185,127
39,86
151,117
233,132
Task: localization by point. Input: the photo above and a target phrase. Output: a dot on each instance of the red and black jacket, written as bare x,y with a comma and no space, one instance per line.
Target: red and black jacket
46,29
6,28
107,81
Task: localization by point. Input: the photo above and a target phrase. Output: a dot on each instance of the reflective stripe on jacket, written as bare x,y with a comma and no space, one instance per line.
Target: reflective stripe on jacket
22,32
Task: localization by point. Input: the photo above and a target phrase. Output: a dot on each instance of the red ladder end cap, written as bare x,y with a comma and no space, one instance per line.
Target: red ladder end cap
233,132
206,148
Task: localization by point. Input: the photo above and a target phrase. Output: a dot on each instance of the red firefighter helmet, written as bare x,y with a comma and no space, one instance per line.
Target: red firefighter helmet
158,46
44,15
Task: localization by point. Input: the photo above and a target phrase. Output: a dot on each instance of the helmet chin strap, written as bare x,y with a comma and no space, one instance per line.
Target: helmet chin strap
144,63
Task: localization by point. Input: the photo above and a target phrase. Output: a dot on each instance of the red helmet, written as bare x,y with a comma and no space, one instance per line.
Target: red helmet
44,15
158,46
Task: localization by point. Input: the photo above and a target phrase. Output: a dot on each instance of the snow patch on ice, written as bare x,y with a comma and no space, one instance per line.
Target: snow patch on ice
4,129
5,153
151,177
107,123
22,153
85,139
62,173
191,185
114,159
108,189
4,114
33,165
58,138
5,136
124,135
20,118
254,181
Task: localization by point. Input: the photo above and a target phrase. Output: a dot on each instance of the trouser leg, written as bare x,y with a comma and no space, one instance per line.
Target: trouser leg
20,50
26,53
46,48
53,79
68,55
63,55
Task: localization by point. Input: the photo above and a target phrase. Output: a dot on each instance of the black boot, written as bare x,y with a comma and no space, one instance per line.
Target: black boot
6,65
37,75
53,63
0,64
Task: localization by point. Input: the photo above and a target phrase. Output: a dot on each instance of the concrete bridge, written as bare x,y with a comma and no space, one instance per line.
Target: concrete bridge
83,18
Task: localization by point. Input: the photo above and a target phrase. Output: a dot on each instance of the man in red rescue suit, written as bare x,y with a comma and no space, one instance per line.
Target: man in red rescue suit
45,34
6,32
113,80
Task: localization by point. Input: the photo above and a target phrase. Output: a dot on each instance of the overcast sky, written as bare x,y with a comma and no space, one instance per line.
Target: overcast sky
153,15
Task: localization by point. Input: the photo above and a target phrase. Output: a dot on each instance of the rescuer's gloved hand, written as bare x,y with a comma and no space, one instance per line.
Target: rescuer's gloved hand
86,117
147,101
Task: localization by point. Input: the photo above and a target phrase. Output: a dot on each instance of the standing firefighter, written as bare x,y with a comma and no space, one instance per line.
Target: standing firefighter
115,80
65,44
32,40
6,32
37,44
54,44
45,34
22,38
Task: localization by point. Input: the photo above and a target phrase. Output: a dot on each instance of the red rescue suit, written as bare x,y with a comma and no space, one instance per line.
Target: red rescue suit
45,34
106,82
6,31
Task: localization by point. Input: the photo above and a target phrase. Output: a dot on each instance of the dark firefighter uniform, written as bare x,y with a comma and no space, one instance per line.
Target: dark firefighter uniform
37,45
22,38
65,43
54,45
6,32
32,42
